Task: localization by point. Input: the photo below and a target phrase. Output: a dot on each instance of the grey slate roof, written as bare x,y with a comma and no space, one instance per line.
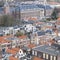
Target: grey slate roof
57,38
47,49
40,33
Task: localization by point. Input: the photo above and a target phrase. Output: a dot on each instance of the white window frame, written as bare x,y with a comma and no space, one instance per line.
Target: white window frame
33,52
47,56
43,55
51,57
54,57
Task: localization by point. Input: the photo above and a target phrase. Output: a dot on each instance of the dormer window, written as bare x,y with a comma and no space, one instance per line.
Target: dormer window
20,51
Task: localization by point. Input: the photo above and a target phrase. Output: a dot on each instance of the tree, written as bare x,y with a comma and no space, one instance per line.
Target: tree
7,20
1,3
19,33
54,14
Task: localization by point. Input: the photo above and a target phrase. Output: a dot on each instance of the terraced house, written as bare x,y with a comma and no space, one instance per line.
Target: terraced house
47,52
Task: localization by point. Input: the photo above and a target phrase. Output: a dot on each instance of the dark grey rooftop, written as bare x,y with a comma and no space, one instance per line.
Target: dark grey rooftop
57,38
40,33
48,49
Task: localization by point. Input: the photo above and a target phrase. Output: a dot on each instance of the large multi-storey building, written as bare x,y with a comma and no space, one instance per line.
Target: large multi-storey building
31,10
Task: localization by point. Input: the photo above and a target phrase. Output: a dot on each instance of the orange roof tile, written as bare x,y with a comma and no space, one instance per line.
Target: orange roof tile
12,58
13,50
36,58
3,39
58,18
31,18
23,37
51,41
31,45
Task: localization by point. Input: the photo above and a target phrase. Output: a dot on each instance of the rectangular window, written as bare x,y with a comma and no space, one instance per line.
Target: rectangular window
46,56
35,53
54,57
51,57
43,55
32,52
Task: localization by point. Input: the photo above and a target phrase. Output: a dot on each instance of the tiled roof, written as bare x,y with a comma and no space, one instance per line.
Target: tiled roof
58,18
22,37
3,39
13,51
31,45
32,18
12,58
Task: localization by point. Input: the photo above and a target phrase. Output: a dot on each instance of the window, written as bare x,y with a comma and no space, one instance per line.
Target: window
35,53
54,57
20,51
3,45
32,52
51,57
46,56
43,55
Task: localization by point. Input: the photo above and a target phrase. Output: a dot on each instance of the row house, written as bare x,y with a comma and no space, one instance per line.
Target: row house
40,39
4,44
47,52
28,10
15,53
18,41
36,37
14,41
23,40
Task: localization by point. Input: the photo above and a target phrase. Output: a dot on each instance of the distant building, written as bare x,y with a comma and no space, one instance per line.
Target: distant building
28,10
6,8
7,0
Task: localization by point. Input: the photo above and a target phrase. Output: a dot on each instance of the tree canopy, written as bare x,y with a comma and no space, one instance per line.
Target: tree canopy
19,33
1,3
7,20
54,14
